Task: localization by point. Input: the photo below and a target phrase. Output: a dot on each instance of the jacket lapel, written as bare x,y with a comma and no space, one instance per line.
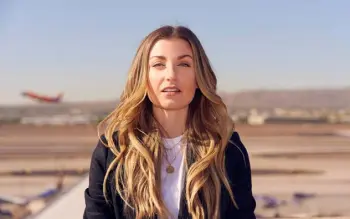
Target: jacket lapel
183,210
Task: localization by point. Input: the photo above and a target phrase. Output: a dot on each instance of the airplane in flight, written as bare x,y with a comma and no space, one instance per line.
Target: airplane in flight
43,98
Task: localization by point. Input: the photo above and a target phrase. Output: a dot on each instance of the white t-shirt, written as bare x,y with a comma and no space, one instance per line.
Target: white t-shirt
173,183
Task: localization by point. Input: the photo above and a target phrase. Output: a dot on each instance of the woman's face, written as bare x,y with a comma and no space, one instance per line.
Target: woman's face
171,78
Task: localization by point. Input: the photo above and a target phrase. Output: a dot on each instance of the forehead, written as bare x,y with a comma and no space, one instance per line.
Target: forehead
171,48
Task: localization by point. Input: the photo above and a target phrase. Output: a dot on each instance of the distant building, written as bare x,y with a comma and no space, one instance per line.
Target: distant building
256,119
59,120
294,120
344,119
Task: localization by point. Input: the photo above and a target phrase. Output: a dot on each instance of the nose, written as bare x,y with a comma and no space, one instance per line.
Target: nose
171,72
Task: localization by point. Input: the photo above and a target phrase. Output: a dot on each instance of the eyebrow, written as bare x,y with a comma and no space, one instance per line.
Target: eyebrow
179,57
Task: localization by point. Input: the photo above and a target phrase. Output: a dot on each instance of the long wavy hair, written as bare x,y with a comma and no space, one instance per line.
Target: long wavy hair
139,150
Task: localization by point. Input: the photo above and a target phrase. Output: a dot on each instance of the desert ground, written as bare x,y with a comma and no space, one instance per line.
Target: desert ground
285,159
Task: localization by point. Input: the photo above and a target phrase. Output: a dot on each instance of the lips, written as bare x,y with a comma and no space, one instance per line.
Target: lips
171,89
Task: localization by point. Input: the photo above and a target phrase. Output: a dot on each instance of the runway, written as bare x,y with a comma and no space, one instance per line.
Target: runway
282,164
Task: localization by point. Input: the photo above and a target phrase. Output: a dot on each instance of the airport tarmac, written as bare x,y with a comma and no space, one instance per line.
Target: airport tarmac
285,159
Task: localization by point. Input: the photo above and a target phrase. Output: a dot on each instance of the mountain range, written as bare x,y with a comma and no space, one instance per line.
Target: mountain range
301,98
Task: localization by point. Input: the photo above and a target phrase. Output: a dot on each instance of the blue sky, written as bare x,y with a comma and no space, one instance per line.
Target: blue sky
84,48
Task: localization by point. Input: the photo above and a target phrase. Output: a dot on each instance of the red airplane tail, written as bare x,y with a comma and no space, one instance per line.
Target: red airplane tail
60,96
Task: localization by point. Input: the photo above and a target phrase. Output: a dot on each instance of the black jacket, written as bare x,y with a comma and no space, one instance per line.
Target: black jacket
238,170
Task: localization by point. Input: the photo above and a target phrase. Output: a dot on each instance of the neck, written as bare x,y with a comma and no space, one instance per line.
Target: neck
173,122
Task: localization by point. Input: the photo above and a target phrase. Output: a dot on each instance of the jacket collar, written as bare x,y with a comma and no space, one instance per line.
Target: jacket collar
183,210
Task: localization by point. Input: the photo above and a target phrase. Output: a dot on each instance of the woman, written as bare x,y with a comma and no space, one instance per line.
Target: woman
169,149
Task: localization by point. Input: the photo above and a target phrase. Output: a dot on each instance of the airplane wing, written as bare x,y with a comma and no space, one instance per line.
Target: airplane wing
48,192
5,213
62,206
5,199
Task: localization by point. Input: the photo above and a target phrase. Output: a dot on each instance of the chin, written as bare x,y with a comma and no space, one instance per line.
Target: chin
172,106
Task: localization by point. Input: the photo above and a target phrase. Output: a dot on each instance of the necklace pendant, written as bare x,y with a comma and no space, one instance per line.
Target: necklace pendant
170,169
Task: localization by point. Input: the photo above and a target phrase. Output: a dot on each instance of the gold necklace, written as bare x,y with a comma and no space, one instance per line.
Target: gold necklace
170,168
171,148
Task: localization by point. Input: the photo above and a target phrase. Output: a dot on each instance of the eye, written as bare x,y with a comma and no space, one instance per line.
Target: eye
185,64
157,65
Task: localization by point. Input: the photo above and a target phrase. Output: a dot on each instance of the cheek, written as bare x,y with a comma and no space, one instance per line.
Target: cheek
192,81
154,82
190,84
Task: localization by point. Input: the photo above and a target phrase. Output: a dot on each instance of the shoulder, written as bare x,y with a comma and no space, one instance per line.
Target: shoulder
236,152
95,202
240,178
101,153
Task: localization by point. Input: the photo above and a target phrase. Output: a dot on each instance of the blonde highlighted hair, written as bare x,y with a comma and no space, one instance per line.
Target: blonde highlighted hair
139,150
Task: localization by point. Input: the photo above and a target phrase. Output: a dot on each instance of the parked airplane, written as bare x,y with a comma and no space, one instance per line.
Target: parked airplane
49,192
43,98
25,203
